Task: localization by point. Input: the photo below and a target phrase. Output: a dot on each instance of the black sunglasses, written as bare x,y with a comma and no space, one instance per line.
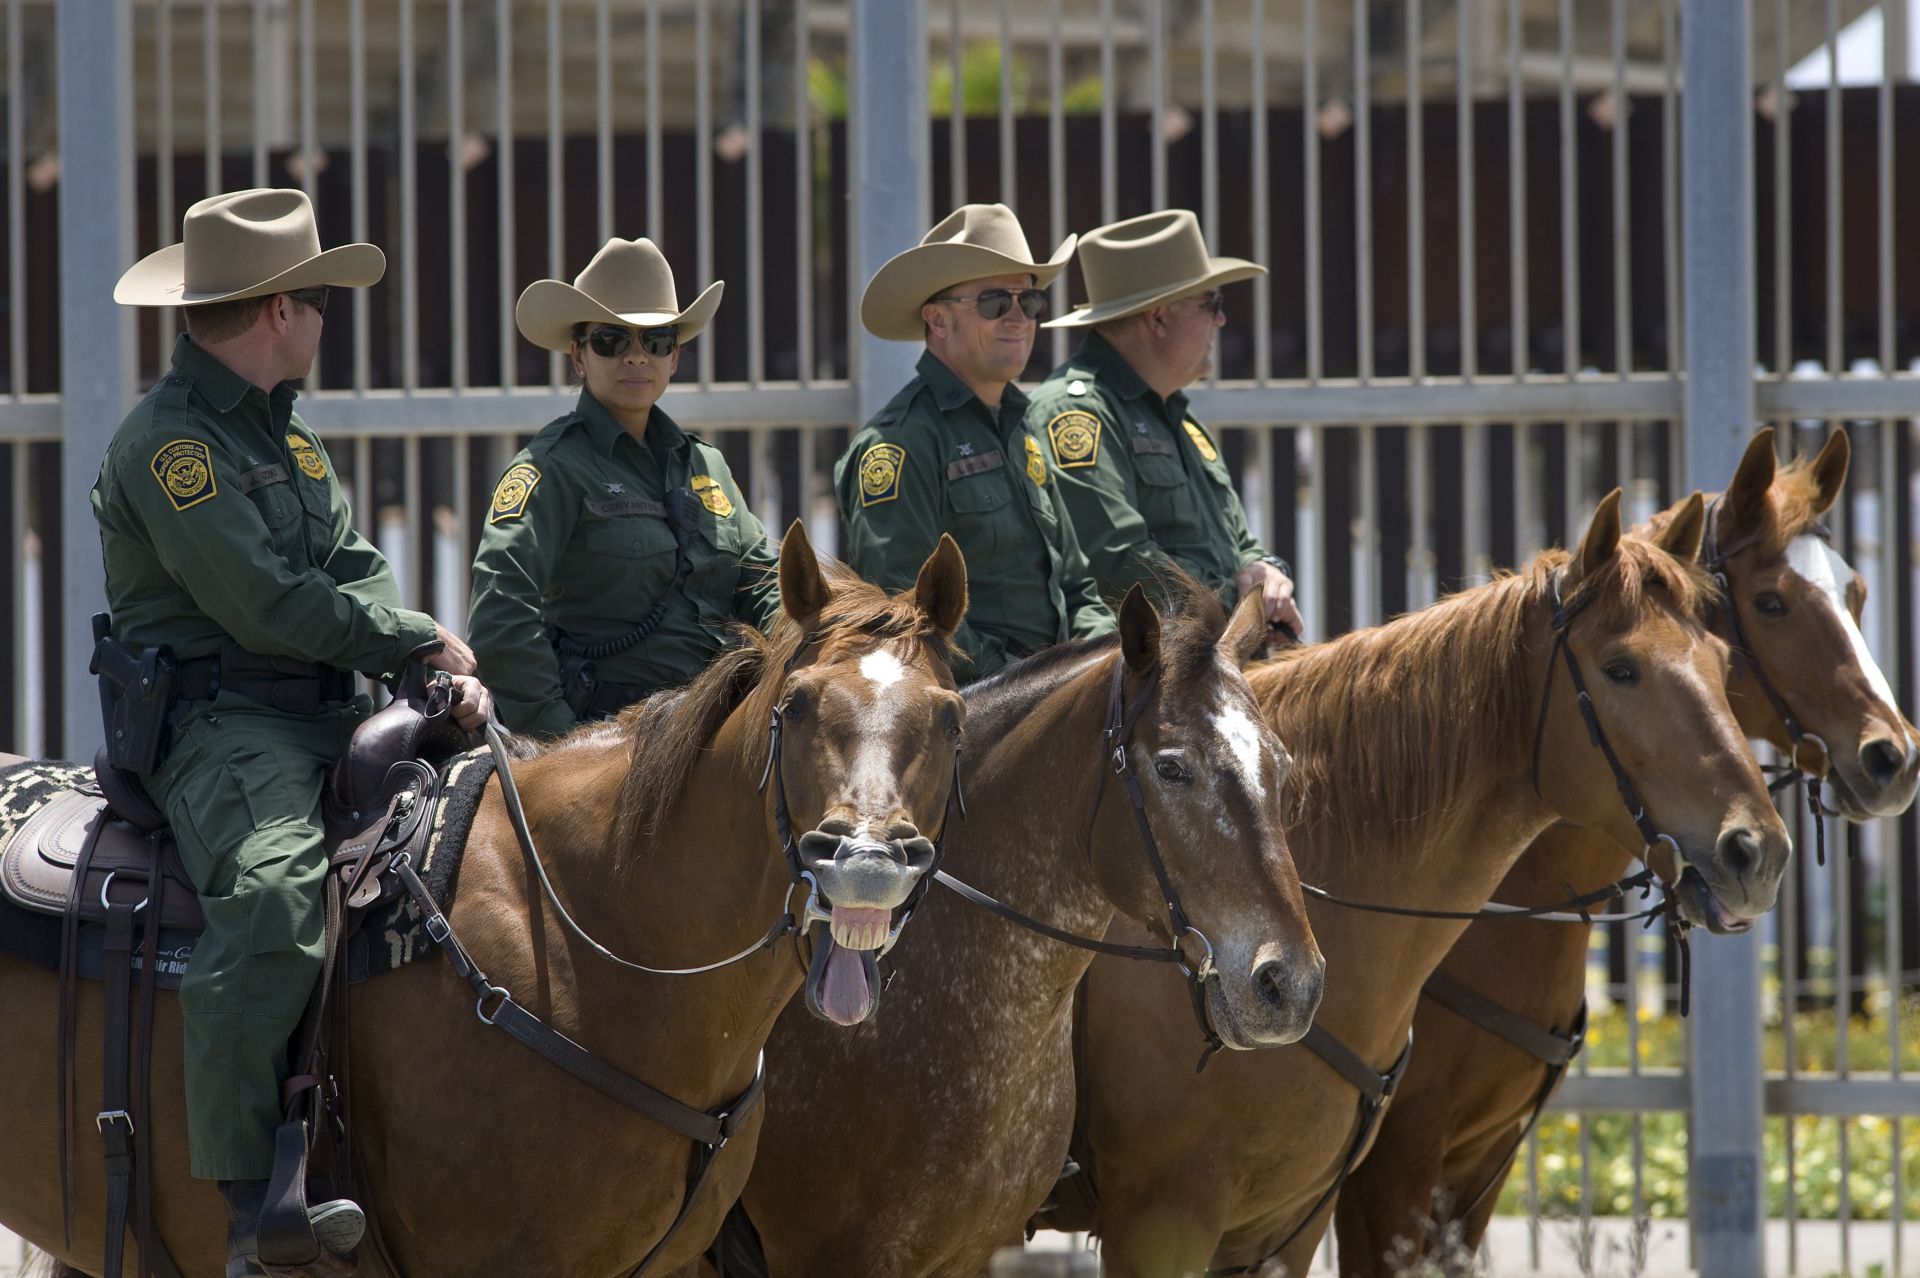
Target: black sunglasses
314,297
995,302
610,341
1214,302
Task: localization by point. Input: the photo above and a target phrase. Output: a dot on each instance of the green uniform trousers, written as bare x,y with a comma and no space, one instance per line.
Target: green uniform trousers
242,789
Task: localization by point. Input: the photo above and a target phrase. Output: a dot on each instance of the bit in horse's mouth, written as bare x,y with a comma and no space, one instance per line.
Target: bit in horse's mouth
1701,906
843,984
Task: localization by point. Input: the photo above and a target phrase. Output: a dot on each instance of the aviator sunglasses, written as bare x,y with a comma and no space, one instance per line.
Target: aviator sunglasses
610,341
995,302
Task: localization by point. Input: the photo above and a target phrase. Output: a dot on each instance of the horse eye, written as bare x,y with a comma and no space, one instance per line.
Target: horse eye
1770,605
1621,672
795,709
1171,769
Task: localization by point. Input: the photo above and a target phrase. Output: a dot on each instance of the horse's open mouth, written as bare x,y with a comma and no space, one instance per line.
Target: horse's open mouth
843,980
1699,905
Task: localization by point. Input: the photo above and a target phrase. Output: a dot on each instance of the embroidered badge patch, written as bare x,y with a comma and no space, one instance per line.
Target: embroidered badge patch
1200,440
712,495
1076,439
510,495
1036,464
307,458
880,469
185,469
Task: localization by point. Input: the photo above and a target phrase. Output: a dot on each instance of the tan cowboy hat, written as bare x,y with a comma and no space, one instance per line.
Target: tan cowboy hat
246,244
1145,262
627,282
973,242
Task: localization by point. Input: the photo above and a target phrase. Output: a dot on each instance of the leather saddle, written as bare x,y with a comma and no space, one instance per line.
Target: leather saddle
377,801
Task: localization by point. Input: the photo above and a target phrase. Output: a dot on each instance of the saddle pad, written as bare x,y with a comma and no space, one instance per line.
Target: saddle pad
393,932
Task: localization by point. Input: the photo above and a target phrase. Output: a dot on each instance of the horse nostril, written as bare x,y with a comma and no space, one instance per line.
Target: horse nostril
1882,761
1739,852
1288,987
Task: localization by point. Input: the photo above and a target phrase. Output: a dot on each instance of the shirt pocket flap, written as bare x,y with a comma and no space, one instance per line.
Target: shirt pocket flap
979,494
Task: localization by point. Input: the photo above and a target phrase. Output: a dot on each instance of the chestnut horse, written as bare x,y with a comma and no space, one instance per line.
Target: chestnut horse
480,1157
1428,753
921,1142
1461,1112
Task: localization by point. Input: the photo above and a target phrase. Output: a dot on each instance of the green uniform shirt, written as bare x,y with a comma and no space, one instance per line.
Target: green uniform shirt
577,537
936,460
221,518
1143,481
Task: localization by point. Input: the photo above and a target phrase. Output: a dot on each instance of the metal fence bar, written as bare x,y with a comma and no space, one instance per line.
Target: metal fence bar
1109,121
407,144
94,44
1835,334
1890,59
1725,1164
886,62
1569,204
16,233
1057,168
163,217
1158,148
957,109
309,139
556,177
603,111
357,146
703,167
459,350
259,34
1209,138
1622,247
656,160
21,536
1262,231
803,210
1363,186
1782,200
756,210
1670,189
504,190
210,91
1416,211
1009,164
1310,144
1516,195
1464,168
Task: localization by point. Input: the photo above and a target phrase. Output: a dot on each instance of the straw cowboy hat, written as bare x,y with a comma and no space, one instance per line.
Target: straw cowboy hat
1145,262
246,244
973,242
627,282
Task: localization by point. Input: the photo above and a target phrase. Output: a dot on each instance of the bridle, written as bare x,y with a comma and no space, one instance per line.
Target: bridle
1714,558
1122,717
818,909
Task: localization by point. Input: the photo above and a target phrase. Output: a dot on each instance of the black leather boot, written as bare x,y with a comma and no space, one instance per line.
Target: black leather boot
337,1226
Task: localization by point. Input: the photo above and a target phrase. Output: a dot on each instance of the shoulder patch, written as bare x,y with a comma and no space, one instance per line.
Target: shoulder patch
1200,440
880,468
307,457
712,495
511,493
1075,436
185,470
1036,463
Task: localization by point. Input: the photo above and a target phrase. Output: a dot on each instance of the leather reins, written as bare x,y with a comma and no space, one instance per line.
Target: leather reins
1114,739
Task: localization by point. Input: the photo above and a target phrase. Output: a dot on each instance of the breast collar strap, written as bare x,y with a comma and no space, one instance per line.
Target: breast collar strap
1714,558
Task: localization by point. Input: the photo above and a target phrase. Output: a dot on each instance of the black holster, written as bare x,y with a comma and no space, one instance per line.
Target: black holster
136,692
578,682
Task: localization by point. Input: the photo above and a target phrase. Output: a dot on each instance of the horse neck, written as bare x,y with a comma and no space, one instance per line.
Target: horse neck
1026,840
1450,854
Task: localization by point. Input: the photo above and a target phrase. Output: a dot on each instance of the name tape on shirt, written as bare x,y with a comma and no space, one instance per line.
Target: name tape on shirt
1076,439
880,468
1200,440
712,495
511,494
1036,464
185,471
307,457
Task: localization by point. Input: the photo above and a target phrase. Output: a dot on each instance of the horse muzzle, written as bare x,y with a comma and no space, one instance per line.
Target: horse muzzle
856,872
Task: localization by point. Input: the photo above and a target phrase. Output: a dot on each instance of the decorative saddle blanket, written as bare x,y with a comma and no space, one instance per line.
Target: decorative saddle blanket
49,810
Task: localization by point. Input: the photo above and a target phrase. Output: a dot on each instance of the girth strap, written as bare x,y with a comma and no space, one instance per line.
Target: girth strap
1375,1090
1549,1047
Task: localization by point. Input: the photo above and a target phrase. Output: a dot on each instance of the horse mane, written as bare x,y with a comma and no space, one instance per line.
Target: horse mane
1788,512
667,732
1458,670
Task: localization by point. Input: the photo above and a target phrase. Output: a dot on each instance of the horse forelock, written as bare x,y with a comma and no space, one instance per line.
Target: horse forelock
1789,509
1638,568
666,732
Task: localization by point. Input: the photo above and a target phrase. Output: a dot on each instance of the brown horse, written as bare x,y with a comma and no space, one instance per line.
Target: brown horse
483,1159
1428,753
1450,1135
922,1141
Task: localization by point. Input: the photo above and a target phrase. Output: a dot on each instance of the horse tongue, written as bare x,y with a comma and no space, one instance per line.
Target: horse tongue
845,995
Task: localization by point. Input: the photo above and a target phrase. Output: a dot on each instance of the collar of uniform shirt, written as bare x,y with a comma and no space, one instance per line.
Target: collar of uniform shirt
606,432
1118,375
219,385
949,392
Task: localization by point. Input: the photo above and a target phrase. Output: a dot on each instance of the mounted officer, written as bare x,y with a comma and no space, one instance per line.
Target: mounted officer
1142,478
618,548
952,453
231,554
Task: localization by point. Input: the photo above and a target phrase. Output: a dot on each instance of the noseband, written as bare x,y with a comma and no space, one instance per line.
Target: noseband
817,908
1114,739
1713,557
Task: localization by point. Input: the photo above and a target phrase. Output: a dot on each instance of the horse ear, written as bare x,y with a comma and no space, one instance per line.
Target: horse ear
1139,631
1830,471
1246,632
1686,528
940,592
1745,500
1603,536
803,587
